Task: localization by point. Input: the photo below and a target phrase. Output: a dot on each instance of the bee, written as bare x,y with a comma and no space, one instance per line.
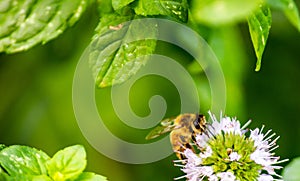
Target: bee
183,130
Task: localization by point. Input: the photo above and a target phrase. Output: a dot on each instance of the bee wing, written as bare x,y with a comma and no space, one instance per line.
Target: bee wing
165,126
167,122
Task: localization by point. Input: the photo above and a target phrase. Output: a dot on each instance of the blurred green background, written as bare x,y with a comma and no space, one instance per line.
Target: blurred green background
36,94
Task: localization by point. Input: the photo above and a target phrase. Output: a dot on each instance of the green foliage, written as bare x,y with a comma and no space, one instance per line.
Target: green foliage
118,4
173,8
104,7
26,163
26,23
114,55
259,26
113,58
215,12
89,176
41,96
289,8
291,171
3,175
29,178
2,147
23,160
67,163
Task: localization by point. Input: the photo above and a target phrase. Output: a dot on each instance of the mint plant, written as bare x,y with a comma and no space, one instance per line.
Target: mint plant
25,163
27,23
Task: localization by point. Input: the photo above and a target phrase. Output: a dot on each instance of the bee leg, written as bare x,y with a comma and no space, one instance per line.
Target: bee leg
187,145
179,149
182,148
194,138
180,156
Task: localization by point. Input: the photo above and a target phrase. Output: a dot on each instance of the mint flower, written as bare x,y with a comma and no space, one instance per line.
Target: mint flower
228,152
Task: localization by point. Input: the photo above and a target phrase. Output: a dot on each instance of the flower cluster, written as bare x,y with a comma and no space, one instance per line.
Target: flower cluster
228,152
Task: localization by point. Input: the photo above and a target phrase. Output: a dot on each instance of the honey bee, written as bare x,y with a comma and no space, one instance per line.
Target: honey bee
183,130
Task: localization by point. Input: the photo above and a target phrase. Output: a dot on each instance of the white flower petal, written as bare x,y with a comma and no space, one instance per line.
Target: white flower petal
234,156
192,158
213,178
229,125
201,140
226,176
207,170
265,177
208,152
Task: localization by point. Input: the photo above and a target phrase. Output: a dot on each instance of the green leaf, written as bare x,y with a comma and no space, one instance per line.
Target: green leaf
216,12
26,23
40,178
174,8
259,26
290,10
23,160
118,4
29,178
291,171
149,7
67,163
88,176
12,15
3,175
115,55
104,7
2,146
